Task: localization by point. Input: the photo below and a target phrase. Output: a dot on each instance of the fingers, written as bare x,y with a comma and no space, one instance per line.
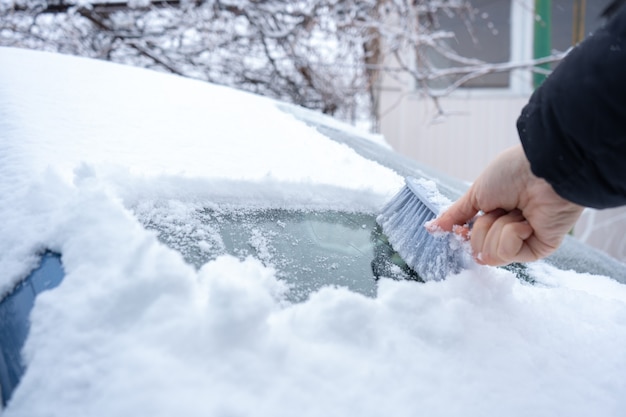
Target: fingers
500,238
458,214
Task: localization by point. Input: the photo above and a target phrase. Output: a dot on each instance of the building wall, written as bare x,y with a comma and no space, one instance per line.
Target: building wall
460,143
477,123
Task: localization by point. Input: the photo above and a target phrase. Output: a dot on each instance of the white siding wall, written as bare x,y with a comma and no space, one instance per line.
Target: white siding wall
461,143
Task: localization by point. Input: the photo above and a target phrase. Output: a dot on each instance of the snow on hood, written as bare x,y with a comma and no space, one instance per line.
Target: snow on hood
75,111
134,330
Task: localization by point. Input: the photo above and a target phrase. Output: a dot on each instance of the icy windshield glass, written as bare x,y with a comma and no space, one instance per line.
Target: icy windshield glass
309,249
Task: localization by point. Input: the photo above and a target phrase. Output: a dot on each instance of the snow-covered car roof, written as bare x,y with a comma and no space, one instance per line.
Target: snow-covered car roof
133,329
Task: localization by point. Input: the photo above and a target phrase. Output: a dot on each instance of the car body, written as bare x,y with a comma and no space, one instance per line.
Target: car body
155,209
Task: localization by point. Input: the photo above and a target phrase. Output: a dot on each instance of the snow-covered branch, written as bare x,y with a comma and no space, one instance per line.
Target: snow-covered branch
323,54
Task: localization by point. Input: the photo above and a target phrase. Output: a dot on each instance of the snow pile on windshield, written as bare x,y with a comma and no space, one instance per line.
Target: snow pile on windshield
134,330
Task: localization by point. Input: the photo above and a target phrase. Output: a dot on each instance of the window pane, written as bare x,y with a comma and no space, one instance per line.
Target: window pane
484,35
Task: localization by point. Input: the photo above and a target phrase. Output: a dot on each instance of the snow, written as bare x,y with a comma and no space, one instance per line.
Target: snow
134,330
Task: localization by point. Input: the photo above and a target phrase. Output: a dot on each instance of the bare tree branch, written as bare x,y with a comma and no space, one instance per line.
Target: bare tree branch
327,55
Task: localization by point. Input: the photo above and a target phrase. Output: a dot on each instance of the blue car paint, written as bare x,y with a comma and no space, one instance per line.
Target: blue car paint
15,319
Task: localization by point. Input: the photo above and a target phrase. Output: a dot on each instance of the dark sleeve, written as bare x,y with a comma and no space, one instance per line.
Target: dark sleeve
573,128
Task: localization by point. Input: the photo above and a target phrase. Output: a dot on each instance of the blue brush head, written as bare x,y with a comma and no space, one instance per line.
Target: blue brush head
431,256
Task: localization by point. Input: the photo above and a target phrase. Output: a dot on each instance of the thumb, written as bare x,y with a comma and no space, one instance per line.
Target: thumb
458,214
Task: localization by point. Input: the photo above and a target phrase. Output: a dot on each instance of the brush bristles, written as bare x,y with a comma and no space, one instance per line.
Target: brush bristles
433,257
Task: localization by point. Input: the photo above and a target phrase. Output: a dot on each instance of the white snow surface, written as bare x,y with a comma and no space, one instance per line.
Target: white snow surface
134,330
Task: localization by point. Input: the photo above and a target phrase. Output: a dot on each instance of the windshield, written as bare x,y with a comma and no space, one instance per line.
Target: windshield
308,249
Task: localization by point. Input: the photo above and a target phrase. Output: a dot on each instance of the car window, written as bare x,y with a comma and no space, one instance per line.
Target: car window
308,249
15,310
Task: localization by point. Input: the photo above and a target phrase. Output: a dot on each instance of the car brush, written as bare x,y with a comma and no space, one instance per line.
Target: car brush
433,256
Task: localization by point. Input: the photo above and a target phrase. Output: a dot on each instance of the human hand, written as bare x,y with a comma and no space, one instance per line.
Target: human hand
524,218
